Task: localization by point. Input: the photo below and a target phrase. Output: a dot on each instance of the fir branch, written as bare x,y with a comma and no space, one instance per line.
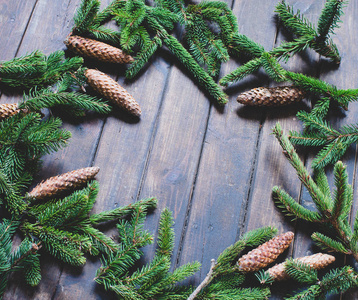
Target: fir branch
241,72
329,244
334,214
120,212
330,17
323,204
37,100
292,208
320,133
301,272
294,21
85,15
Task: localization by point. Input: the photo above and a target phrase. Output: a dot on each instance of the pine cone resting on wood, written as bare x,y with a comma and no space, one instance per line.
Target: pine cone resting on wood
111,90
98,50
56,185
316,261
8,110
265,254
275,96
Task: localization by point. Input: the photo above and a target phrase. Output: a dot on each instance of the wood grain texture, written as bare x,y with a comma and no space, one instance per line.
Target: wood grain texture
227,161
214,168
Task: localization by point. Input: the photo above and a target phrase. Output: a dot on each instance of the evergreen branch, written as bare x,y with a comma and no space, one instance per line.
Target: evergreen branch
329,244
36,100
342,203
241,72
63,245
108,12
292,208
330,17
203,78
205,282
32,64
294,21
273,68
318,197
320,133
143,56
85,15
334,216
165,234
301,272
120,212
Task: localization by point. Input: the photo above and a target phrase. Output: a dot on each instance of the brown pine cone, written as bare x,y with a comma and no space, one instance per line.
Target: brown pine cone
98,50
111,90
8,110
265,254
276,96
56,185
316,261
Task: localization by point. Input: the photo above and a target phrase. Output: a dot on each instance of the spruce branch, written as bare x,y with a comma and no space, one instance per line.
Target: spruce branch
336,281
320,133
333,211
153,280
225,263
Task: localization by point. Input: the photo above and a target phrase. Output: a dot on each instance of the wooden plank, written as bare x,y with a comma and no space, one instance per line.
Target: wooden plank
50,24
228,158
272,168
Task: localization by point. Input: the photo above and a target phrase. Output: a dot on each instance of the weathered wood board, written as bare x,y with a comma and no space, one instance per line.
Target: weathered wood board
213,167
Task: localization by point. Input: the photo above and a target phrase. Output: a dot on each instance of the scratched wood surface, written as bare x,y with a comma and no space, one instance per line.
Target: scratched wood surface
213,167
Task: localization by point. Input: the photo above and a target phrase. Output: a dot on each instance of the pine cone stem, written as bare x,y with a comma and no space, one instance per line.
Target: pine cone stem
111,90
97,50
275,96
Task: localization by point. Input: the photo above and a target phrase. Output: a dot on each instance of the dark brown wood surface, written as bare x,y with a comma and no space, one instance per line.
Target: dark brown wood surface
213,167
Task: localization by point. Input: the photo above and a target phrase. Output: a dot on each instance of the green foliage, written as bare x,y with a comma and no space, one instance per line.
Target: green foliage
36,69
24,138
319,133
152,280
333,208
336,281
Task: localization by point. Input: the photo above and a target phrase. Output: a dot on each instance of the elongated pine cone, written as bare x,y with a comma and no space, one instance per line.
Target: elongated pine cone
7,110
275,96
111,90
98,50
265,254
316,261
56,185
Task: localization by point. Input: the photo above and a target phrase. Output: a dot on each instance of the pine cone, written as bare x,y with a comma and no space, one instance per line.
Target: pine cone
111,90
276,96
265,254
7,110
56,185
98,50
316,261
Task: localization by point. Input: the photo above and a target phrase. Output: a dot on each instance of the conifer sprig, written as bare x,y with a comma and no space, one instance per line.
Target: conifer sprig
225,269
319,133
153,280
336,281
332,210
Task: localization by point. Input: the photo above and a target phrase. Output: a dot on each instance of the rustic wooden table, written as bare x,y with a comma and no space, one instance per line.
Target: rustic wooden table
213,167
